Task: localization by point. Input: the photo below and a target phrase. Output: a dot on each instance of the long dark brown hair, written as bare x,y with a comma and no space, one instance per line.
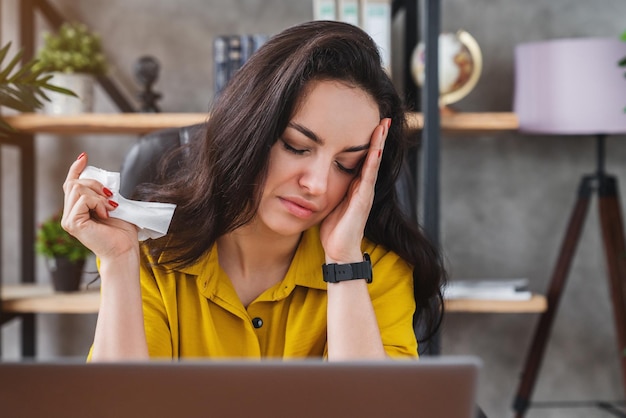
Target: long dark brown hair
217,189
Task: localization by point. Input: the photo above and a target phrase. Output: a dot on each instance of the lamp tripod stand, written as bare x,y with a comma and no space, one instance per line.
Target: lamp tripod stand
615,251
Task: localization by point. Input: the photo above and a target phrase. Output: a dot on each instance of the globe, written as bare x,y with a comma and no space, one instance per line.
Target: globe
460,65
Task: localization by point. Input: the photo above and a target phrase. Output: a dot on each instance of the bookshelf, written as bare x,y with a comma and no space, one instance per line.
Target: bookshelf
36,298
28,125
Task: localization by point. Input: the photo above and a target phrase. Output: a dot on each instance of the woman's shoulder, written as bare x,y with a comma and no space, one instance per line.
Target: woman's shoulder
158,260
392,275
382,257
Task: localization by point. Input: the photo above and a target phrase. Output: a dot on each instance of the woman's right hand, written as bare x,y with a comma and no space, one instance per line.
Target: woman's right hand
86,215
120,332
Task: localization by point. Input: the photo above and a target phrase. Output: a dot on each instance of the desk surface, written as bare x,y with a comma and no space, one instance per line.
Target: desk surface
40,298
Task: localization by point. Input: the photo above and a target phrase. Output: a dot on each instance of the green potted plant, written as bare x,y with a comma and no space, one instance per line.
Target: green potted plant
74,55
22,89
65,254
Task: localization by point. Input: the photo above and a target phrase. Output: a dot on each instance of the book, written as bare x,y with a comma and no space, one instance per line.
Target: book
324,10
491,289
373,16
349,11
259,39
377,23
230,53
220,64
234,54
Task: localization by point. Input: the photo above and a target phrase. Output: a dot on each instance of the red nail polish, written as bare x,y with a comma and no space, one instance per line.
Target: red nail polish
107,192
380,152
82,154
113,203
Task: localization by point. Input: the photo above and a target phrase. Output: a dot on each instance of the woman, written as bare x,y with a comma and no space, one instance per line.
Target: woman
291,175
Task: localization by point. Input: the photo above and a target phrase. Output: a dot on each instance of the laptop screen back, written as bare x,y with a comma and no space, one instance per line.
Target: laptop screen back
437,387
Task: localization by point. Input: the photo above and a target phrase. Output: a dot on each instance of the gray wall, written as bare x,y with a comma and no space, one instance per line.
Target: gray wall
505,197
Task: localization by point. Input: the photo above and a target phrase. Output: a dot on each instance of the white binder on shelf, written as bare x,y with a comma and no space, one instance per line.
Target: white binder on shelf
324,10
349,11
491,289
373,16
376,21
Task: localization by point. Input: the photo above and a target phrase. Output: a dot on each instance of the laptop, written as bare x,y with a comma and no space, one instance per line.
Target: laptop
433,387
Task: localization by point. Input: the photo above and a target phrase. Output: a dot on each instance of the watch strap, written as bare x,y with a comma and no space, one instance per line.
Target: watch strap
334,273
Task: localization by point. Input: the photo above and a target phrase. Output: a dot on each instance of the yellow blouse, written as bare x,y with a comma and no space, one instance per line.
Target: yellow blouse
195,311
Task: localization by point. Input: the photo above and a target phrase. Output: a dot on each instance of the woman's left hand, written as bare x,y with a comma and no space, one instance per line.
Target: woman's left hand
342,231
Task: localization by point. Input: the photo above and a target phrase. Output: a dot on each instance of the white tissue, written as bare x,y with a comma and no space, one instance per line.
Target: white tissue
151,218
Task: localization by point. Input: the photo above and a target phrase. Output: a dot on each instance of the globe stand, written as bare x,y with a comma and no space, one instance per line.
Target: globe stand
446,110
615,251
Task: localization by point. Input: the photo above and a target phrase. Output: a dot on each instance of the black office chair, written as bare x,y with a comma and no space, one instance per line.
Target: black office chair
144,160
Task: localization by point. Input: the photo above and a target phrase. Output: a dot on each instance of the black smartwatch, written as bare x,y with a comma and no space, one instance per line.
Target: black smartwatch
335,273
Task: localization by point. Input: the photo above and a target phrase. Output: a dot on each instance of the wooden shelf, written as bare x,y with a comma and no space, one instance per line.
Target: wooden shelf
470,122
102,123
140,123
39,298
536,304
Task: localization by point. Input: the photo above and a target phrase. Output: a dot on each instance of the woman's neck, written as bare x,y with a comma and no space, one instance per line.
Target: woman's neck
255,261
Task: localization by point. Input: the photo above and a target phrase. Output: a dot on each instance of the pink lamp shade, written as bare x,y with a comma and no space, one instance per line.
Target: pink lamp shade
571,86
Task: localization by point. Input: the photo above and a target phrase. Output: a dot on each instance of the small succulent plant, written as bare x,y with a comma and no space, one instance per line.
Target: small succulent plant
72,49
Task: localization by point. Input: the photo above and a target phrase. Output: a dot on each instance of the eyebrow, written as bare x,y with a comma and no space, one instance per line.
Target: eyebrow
313,137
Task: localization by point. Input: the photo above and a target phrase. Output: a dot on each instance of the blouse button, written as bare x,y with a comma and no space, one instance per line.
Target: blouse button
257,322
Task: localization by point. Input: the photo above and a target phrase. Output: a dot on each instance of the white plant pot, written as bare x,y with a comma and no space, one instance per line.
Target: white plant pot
61,104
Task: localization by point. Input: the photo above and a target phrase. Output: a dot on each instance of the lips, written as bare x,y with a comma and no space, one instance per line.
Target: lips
298,207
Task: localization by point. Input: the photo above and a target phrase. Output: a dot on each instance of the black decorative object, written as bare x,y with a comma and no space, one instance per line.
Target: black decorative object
230,52
146,73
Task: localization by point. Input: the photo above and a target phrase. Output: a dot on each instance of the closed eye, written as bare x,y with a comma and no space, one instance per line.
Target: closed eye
350,171
292,149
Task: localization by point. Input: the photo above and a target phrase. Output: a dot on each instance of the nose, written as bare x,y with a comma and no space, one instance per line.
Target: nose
314,177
